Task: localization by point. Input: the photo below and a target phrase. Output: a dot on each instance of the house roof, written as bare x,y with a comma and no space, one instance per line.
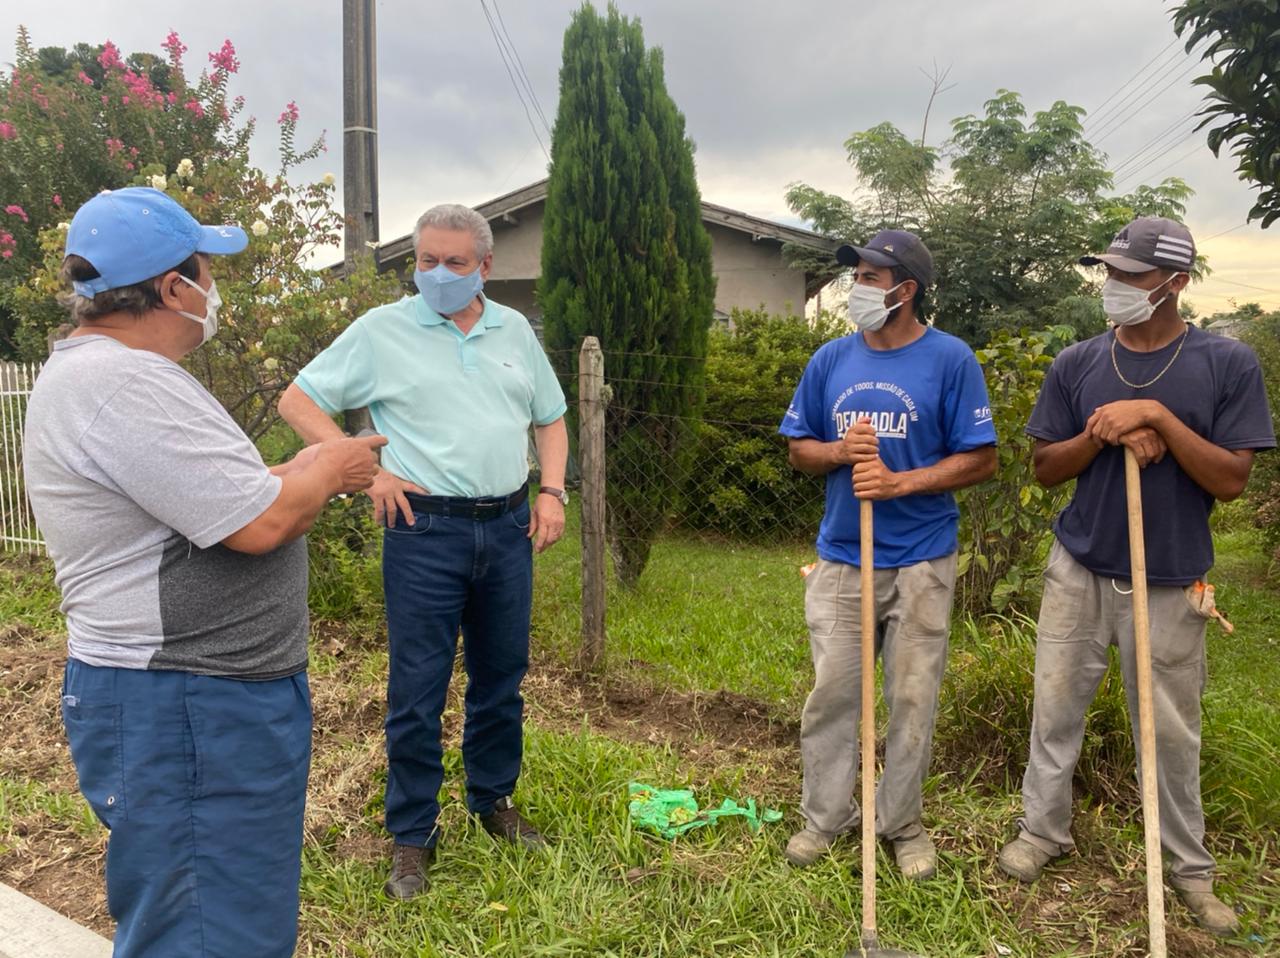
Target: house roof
506,208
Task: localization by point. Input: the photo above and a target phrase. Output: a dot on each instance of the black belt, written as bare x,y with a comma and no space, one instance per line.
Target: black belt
488,507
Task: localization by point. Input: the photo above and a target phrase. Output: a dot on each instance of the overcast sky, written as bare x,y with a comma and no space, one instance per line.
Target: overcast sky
770,92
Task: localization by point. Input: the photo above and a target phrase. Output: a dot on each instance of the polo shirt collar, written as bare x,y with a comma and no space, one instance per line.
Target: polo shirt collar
426,316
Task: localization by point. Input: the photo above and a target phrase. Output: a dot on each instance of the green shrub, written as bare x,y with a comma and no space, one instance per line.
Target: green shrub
741,483
1263,492
346,564
1004,521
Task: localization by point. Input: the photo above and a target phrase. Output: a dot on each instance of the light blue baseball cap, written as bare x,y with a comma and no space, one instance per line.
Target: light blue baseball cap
136,233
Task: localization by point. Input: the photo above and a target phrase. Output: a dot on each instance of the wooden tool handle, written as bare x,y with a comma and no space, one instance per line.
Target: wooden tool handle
1146,711
867,723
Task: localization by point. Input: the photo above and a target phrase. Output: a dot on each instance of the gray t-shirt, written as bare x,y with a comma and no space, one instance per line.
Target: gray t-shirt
136,474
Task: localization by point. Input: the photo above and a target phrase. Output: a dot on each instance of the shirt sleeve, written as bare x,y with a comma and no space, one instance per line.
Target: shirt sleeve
805,418
1242,418
1053,419
342,375
548,397
969,424
174,451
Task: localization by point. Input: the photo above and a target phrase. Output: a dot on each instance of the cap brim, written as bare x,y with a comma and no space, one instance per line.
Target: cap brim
853,255
222,240
1119,262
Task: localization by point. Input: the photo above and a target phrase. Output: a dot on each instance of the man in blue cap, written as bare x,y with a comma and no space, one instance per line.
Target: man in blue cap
183,574
896,412
1193,408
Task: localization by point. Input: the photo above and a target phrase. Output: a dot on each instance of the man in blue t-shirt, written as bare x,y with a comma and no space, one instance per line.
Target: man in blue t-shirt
898,413
1193,408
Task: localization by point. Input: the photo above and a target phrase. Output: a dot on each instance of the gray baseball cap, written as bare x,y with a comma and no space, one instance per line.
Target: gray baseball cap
892,248
1149,242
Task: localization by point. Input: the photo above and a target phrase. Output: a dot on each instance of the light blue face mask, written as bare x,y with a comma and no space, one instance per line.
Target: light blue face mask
445,291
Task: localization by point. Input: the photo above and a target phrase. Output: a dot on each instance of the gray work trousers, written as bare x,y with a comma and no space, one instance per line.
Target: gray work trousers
913,623
1081,616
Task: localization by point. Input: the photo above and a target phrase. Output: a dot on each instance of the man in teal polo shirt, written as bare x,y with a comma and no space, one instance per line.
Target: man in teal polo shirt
453,380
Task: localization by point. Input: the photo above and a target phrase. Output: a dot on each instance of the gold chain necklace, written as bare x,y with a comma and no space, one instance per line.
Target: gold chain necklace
1116,366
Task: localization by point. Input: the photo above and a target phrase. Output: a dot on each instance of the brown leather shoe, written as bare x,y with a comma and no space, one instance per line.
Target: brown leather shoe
409,865
505,823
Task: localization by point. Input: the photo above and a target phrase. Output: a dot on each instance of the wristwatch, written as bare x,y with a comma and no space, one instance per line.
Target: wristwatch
558,493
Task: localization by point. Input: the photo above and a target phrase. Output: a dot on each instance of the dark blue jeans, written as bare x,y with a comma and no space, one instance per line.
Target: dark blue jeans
202,782
442,575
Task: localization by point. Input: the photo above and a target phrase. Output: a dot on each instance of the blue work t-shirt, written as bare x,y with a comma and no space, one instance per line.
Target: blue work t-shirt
928,401
1214,387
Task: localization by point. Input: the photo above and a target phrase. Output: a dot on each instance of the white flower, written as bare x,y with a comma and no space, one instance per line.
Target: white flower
64,226
270,364
185,168
259,228
342,303
191,189
159,181
329,179
275,249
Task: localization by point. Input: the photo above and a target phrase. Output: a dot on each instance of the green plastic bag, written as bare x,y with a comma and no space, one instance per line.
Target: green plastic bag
672,812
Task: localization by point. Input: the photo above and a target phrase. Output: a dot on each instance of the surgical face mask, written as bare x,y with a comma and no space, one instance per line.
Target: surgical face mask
212,302
1127,305
448,292
867,310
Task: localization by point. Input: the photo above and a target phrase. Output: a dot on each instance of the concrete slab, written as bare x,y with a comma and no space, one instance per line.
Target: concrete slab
30,930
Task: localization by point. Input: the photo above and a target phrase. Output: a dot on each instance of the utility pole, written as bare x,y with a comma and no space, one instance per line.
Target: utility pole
359,128
359,147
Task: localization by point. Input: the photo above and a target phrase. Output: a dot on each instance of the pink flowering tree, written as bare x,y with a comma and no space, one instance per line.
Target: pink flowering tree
75,122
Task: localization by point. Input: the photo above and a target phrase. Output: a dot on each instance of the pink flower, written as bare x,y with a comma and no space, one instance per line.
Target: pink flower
124,100
104,99
7,254
128,166
59,147
174,47
114,147
8,131
6,239
173,98
13,209
195,108
57,199
290,114
85,78
225,59
110,56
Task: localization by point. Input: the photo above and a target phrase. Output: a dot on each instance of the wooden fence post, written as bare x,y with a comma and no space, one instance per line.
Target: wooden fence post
591,406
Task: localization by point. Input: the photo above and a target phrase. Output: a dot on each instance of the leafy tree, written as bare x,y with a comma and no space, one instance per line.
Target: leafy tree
71,135
1244,47
625,257
1007,216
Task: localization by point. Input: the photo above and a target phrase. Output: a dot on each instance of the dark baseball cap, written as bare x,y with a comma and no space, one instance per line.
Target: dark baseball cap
892,248
1149,242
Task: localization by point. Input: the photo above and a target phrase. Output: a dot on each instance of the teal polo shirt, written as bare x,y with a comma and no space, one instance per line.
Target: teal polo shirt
455,409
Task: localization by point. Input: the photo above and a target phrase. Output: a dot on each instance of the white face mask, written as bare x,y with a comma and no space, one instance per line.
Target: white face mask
867,310
1127,305
212,302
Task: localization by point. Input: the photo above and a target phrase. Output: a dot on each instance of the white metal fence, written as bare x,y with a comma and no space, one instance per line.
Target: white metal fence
17,523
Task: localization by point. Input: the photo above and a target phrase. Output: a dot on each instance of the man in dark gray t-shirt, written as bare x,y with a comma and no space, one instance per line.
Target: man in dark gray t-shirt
1193,408
183,571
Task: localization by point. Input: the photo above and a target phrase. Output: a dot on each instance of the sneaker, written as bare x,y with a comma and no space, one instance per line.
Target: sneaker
916,857
807,846
1210,912
505,823
1022,860
409,865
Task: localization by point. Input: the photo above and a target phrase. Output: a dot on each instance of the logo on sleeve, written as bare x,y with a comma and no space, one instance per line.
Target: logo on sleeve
981,414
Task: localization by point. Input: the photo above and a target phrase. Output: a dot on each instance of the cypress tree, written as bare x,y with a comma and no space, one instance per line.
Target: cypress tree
625,258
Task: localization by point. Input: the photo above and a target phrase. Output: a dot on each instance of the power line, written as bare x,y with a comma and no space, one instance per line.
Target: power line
1162,70
1225,232
1232,282
1186,156
514,85
1100,135
1092,113
520,64
1146,147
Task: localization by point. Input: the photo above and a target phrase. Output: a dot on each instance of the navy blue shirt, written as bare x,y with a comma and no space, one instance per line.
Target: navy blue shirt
928,400
1214,387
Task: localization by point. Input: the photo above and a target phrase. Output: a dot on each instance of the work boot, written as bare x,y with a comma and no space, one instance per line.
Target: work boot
1022,860
505,823
916,857
1210,912
409,865
807,846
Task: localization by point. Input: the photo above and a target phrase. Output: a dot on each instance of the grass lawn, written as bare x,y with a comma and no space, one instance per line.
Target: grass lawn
707,667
